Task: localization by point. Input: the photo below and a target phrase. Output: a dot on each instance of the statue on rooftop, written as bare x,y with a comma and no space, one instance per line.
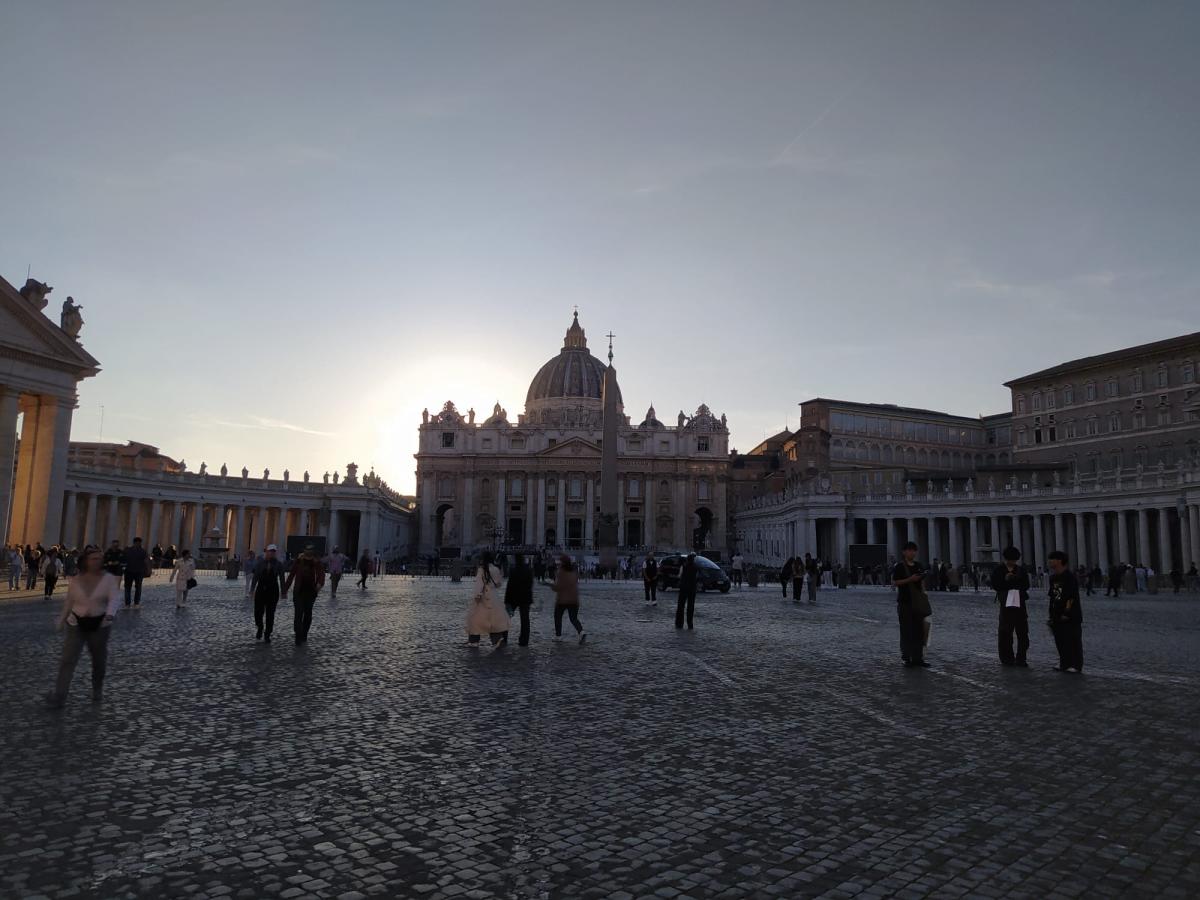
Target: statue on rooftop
71,321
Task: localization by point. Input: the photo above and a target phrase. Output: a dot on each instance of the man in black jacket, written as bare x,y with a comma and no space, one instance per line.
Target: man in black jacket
1011,584
114,560
266,586
1066,615
518,595
687,591
136,568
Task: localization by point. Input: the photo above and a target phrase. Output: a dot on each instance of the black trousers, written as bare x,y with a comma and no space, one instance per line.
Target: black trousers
1013,619
812,589
784,582
51,580
797,588
523,640
264,608
362,582
133,584
651,588
304,610
333,583
737,577
572,614
912,634
687,602
1068,638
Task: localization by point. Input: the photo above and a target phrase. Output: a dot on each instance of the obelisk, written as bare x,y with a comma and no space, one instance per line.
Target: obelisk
608,537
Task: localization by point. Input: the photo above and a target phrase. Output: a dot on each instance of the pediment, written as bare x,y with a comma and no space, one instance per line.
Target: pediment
572,448
25,330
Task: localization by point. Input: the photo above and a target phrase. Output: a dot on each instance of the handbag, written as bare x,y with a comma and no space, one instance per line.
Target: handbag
919,600
191,583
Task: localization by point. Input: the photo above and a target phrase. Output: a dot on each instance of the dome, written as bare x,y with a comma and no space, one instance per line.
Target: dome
574,375
651,420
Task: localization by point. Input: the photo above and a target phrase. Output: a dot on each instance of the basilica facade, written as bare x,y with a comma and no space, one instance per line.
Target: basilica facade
535,482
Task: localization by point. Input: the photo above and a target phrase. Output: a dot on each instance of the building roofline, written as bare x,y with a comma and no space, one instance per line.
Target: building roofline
893,408
1084,363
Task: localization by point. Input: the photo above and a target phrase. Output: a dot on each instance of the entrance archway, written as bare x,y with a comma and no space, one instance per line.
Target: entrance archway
445,527
702,529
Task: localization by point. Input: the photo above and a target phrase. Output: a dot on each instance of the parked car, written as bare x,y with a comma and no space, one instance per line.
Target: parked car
709,576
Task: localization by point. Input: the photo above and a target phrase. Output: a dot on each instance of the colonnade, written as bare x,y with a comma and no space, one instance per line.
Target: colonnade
1163,535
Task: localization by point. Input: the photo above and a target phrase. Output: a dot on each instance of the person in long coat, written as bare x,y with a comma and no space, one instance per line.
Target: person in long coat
518,595
485,613
566,598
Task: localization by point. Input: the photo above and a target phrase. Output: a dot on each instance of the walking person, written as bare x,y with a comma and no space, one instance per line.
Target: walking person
364,569
785,575
518,595
16,565
114,560
911,605
485,613
650,579
51,568
267,586
1116,578
32,559
249,564
92,599
184,576
137,566
738,564
335,566
1010,580
307,577
566,598
687,592
797,580
1066,615
813,570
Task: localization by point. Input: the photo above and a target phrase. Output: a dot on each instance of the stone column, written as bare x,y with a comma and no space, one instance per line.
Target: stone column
9,408
1039,540
70,527
540,525
1194,519
648,496
892,550
1060,542
176,525
281,531
197,536
1081,541
955,542
110,530
466,525
721,540
588,514
501,512
155,523
621,512
131,522
1185,540
682,520
560,529
1123,548
997,540
41,471
89,522
1164,540
1102,542
238,541
335,530
810,536
1143,558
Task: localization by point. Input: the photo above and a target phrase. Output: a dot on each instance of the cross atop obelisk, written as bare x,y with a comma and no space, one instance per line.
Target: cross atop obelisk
610,337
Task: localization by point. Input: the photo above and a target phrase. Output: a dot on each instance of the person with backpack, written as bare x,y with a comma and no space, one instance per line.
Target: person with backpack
267,586
308,577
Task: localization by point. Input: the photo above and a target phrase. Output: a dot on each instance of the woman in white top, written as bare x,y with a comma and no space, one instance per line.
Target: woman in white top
184,571
93,597
485,614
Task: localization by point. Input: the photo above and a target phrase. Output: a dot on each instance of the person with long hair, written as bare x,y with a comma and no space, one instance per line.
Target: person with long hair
566,598
184,576
485,614
93,597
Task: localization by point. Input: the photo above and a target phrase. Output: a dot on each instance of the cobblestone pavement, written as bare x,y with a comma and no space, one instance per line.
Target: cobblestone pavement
777,751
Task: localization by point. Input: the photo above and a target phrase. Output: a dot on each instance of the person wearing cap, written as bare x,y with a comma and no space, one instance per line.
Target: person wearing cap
308,577
267,586
1010,580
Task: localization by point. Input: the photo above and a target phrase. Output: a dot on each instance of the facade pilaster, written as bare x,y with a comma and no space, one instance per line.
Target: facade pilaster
955,542
110,529
9,408
1060,541
588,516
89,522
560,531
466,527
1039,539
1102,541
70,527
1081,541
155,522
1164,540
1143,526
1124,550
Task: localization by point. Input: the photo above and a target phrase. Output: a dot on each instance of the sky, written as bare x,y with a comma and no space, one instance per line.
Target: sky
292,226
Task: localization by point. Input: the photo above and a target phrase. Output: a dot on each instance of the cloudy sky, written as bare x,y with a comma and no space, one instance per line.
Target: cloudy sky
293,225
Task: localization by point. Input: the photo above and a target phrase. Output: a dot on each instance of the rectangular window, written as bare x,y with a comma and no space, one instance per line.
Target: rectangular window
1137,381
553,441
1139,420
1164,417
517,443
635,488
1070,429
1162,378
1093,426
635,443
702,444
1068,395
576,488
486,443
1110,388
1189,372
447,438
1090,392
1020,406
1050,400
1037,401
552,487
517,487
